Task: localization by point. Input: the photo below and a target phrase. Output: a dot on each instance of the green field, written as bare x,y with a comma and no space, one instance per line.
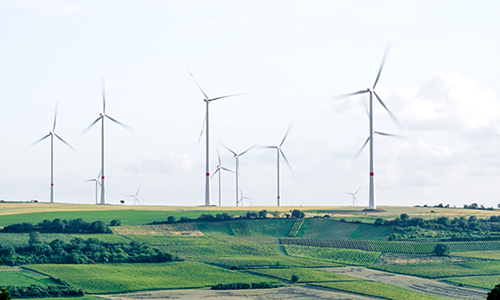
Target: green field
493,255
485,282
305,274
23,278
377,289
444,269
119,278
341,256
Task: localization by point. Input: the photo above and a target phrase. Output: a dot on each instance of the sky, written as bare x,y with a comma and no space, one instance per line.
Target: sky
289,59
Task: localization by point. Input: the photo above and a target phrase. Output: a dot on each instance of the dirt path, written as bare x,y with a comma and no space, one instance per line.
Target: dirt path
295,293
417,284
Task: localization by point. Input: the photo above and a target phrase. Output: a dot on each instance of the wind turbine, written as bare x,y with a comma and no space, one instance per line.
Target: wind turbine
372,92
97,182
53,134
135,196
278,153
243,198
237,157
101,118
354,200
206,124
219,169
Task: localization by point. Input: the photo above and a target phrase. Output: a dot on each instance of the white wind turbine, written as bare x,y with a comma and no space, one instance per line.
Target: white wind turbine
135,196
354,199
52,134
242,197
219,169
237,157
102,117
279,152
97,183
372,92
206,124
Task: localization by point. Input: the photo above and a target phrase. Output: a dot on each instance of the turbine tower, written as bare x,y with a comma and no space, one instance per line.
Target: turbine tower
278,153
243,198
97,182
219,169
135,196
206,124
52,134
372,92
102,117
237,157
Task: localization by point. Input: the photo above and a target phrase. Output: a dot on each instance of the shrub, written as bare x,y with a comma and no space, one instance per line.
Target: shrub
441,249
295,278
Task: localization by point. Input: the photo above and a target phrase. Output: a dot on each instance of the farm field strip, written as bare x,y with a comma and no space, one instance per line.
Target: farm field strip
342,256
493,255
416,284
19,277
378,289
305,274
484,282
120,278
444,269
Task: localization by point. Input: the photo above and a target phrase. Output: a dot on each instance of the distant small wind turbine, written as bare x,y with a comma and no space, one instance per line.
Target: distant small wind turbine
242,197
278,152
237,157
52,134
372,92
219,169
135,196
206,124
103,116
354,200
97,182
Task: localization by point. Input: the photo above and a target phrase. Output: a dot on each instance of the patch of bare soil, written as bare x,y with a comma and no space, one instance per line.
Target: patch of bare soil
399,258
184,229
296,293
417,284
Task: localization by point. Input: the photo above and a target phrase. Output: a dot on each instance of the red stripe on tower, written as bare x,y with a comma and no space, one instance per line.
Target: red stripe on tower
102,177
372,174
52,184
208,174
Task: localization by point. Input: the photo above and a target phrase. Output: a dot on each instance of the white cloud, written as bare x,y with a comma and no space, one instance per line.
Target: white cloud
169,163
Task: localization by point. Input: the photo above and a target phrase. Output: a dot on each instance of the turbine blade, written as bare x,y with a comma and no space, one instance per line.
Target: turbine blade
40,140
226,169
357,191
103,95
218,169
206,97
386,52
229,150
89,180
202,127
398,136
72,148
286,160
121,124
343,96
218,155
268,147
138,190
286,134
246,150
90,126
55,118
362,147
217,98
393,117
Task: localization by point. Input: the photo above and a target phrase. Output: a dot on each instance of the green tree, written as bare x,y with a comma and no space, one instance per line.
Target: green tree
405,218
295,278
298,214
4,295
34,238
263,214
115,222
494,294
441,250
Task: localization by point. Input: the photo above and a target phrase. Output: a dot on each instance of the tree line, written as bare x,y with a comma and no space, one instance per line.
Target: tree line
61,226
79,251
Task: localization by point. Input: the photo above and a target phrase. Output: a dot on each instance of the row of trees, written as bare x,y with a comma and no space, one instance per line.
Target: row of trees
38,291
61,226
79,251
225,217
442,223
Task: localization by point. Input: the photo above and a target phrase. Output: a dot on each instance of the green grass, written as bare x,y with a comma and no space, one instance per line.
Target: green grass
252,262
444,269
23,278
305,274
241,228
371,232
377,289
121,278
493,255
341,256
271,227
485,282
326,229
214,228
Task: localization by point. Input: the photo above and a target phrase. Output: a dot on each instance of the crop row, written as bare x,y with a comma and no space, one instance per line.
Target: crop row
296,227
343,256
241,228
393,247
